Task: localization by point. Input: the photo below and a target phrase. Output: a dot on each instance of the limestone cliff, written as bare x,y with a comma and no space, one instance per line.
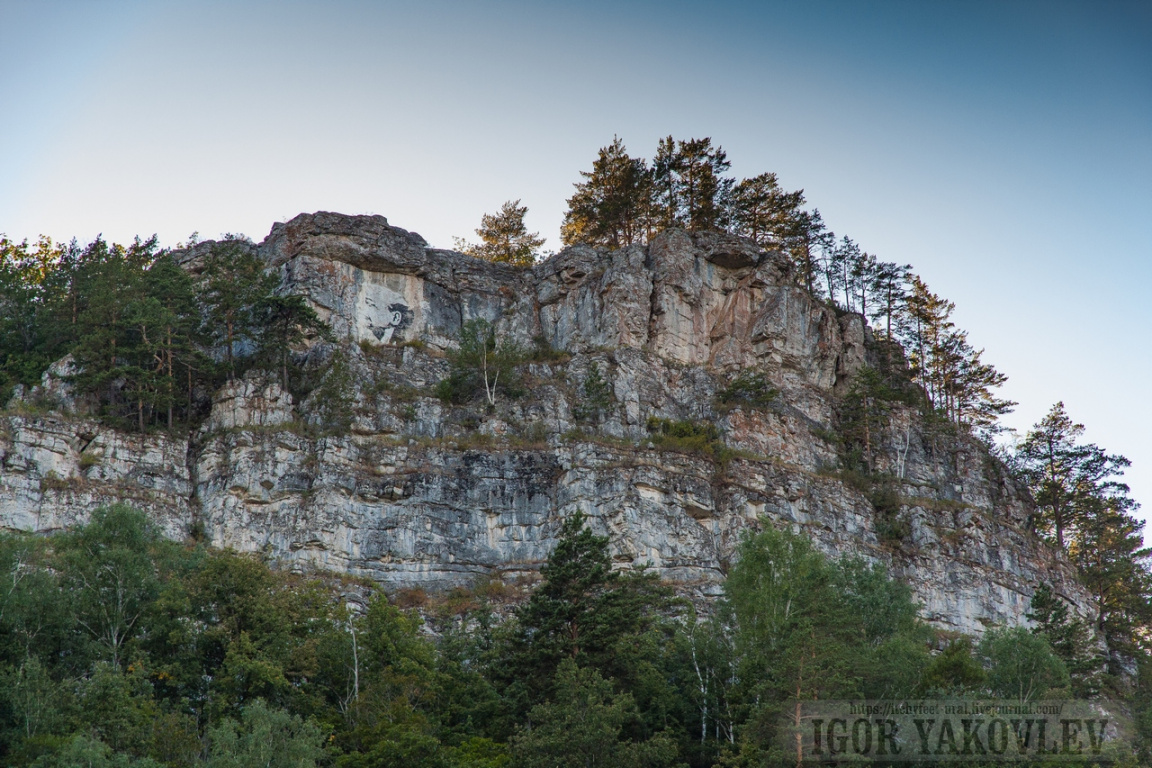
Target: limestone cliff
419,493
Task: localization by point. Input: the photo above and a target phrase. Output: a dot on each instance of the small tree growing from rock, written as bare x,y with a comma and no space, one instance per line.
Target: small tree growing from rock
482,361
598,397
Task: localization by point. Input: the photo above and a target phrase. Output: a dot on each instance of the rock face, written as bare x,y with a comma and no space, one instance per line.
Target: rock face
420,493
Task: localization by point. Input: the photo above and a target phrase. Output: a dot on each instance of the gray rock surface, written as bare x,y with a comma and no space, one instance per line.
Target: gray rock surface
419,493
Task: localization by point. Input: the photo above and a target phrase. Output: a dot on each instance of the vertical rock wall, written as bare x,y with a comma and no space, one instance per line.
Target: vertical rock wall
418,493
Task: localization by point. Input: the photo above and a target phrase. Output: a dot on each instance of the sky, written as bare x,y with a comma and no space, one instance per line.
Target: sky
1004,149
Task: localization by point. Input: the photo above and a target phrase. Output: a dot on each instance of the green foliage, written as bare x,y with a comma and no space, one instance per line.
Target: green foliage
584,611
625,200
862,422
884,496
481,365
543,352
763,212
36,705
1070,639
862,417
1142,709
1067,477
144,336
749,389
285,321
504,238
609,208
805,628
457,389
703,662
957,383
687,436
264,738
27,342
1114,563
689,186
954,671
110,577
584,724
135,323
236,286
335,397
598,397
1084,507
89,752
1021,665
118,648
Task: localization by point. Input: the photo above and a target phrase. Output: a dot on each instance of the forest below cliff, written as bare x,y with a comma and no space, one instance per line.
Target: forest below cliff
121,648
118,647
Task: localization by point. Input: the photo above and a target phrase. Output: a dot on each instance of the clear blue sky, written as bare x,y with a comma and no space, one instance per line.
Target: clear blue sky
1003,148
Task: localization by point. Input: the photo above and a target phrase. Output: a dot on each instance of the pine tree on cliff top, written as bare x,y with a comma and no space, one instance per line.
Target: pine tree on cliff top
763,212
504,237
609,208
689,186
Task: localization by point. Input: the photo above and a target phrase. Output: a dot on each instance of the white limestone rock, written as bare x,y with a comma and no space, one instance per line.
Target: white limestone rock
422,493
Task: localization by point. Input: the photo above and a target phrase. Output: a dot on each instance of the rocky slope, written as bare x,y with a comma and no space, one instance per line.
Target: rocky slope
419,493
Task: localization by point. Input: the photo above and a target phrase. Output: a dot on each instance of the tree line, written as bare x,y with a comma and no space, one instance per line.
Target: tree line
121,648
625,200
148,341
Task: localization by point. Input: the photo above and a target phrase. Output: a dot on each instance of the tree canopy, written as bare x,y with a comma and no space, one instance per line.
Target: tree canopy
148,341
121,648
504,238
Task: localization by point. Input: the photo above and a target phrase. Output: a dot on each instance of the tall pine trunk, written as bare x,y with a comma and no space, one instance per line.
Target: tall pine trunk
170,382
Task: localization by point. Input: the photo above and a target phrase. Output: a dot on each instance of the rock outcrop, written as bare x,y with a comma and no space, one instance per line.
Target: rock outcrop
419,493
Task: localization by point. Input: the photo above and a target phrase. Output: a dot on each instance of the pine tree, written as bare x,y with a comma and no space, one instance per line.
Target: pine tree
598,397
181,360
762,212
609,208
1084,507
1066,476
705,189
582,611
666,185
587,724
235,287
111,353
971,399
957,383
285,322
862,415
27,342
861,277
504,237
855,272
888,293
1069,637
810,245
1108,549
688,184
